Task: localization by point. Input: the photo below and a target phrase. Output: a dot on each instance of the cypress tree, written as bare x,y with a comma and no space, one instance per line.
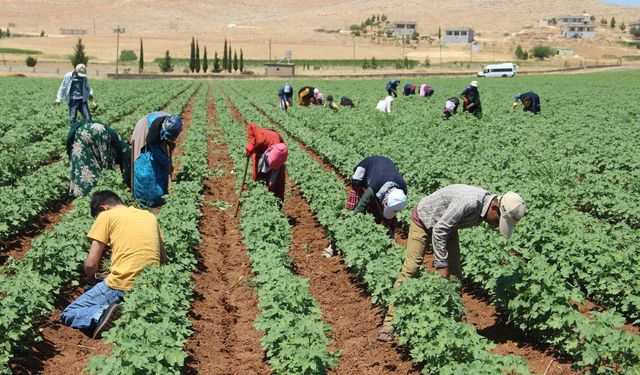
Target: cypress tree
205,63
197,57
192,59
235,61
0,33
79,56
141,61
229,66
225,58
216,62
241,61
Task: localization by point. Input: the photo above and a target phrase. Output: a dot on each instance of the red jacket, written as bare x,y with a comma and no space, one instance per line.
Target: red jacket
259,140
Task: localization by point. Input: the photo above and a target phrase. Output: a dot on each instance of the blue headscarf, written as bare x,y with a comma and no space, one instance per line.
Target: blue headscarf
171,128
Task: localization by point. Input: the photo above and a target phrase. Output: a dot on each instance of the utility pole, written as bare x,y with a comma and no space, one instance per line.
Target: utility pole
354,54
94,26
493,51
269,49
118,30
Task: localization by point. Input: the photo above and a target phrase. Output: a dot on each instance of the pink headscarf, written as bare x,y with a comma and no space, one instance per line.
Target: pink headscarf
277,155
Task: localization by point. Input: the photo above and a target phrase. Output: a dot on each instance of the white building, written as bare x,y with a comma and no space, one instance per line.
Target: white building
463,35
404,29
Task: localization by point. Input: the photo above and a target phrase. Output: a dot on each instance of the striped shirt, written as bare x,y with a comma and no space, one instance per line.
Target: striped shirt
449,209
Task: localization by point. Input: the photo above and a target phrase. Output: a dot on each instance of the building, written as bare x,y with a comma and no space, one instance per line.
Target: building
404,29
584,19
280,69
578,30
634,26
542,23
462,35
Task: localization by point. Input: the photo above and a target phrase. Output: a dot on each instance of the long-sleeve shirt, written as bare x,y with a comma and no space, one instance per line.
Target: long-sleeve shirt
65,88
449,209
533,98
258,141
384,105
376,174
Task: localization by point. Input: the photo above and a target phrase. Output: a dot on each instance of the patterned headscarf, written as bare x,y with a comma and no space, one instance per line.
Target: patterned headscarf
171,128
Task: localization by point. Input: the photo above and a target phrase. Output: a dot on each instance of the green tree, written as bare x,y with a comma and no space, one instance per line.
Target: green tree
541,52
216,63
229,65
241,61
225,58
592,18
374,63
78,57
141,60
622,26
198,66
192,59
635,32
205,63
31,61
603,21
42,33
8,33
1,33
127,55
166,65
439,32
235,61
365,64
612,24
521,54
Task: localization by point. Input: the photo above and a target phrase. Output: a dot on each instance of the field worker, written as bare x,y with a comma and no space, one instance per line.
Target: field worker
91,147
268,154
153,156
346,102
426,90
450,107
305,94
284,96
530,102
384,105
135,240
471,97
435,222
75,89
331,104
409,89
318,97
392,87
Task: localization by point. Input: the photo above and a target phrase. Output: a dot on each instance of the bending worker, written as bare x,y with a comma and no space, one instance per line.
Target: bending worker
384,105
530,102
155,138
268,156
471,98
305,95
426,90
435,222
409,89
392,87
284,96
331,104
450,107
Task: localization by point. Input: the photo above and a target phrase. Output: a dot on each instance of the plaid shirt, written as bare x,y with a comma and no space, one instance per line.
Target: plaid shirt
449,209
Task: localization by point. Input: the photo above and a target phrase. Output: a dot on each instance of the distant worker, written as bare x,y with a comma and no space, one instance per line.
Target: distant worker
285,94
135,240
392,87
331,104
530,102
305,95
75,88
435,223
154,138
471,98
93,146
346,102
384,105
426,90
450,107
318,97
409,89
268,154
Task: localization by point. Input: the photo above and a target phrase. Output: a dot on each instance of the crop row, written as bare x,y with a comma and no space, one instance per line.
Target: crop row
551,315
150,335
429,309
23,203
296,340
28,287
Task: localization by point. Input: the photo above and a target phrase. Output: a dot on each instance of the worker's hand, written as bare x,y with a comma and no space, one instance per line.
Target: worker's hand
514,105
248,149
90,97
444,272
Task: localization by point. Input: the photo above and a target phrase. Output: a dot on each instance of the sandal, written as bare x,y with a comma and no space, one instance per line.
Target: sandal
328,251
386,335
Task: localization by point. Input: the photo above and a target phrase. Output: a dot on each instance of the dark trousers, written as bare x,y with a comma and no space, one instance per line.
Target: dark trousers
76,105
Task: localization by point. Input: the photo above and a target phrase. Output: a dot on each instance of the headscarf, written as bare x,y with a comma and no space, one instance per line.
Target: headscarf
171,128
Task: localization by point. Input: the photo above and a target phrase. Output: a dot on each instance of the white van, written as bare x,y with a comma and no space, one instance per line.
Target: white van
498,70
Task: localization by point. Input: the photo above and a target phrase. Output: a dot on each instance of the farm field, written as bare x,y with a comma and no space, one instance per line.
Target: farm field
253,294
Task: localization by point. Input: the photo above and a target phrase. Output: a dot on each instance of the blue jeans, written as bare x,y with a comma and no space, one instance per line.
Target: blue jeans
76,105
85,312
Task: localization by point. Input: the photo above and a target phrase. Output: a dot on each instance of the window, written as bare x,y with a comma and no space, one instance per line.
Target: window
449,32
456,33
463,33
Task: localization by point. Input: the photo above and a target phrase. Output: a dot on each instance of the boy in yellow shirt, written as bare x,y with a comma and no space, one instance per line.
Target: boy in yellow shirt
135,239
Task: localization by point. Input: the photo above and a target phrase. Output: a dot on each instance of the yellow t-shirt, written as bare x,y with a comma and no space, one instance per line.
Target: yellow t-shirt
134,237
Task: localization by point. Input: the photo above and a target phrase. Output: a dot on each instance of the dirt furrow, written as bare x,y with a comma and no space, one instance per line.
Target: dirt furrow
224,339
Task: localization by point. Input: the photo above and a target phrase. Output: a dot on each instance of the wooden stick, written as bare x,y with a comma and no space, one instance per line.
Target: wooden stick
244,179
132,165
548,367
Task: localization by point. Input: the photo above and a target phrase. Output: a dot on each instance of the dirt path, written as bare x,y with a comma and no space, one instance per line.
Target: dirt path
65,350
224,339
488,321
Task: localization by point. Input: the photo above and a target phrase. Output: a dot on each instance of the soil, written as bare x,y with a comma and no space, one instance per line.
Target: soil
224,339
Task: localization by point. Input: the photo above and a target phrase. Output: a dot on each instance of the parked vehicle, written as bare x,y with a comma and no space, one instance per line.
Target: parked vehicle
498,70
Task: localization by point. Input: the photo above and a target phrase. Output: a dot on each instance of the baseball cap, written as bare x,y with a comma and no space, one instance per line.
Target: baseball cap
512,209
396,200
81,70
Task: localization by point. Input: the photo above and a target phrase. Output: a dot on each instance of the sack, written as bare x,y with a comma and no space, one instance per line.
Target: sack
344,101
149,180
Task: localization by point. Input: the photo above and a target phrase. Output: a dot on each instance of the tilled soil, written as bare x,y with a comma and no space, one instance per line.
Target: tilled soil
224,339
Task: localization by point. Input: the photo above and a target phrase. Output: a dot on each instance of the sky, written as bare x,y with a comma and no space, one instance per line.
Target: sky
633,3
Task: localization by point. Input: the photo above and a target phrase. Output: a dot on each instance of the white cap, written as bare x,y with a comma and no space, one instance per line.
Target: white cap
316,90
512,209
474,83
396,200
81,70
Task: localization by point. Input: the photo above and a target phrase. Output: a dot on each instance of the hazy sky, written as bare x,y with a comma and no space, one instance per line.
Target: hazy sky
634,3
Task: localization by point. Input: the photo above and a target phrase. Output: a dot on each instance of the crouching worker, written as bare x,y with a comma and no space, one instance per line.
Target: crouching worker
268,155
426,90
450,107
306,95
155,139
435,222
135,240
384,105
284,96
530,102
331,104
93,146
346,102
376,187
409,89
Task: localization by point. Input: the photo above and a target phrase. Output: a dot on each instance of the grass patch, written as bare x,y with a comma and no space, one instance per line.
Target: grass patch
633,58
19,51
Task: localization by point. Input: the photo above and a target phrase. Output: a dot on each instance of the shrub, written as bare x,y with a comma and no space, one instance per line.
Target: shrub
541,52
31,61
127,55
166,65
